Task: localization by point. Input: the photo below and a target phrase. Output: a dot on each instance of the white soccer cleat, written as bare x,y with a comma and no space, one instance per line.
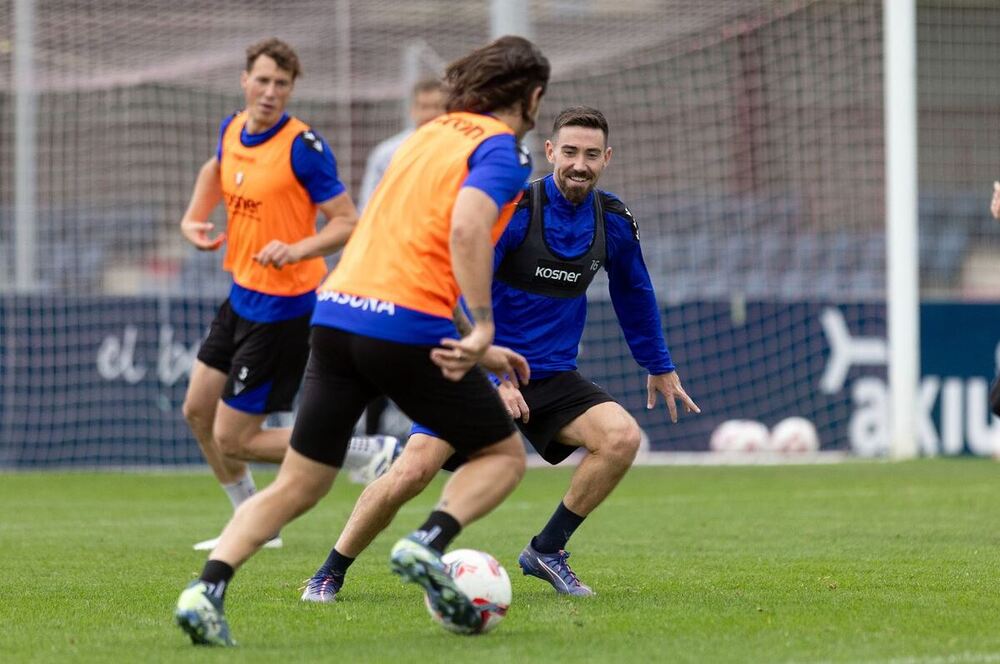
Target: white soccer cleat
381,452
206,545
209,544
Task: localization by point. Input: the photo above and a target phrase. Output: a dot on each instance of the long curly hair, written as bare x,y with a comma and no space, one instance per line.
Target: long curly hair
496,76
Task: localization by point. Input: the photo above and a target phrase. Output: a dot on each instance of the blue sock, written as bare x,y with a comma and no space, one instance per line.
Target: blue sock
336,564
557,531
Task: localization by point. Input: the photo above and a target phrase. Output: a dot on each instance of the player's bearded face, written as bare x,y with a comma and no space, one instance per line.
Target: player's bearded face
579,156
266,88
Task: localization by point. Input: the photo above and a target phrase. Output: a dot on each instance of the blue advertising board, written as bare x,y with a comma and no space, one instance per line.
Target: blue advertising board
101,380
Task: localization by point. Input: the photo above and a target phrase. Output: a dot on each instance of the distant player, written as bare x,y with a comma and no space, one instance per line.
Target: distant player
273,173
383,325
427,100
562,233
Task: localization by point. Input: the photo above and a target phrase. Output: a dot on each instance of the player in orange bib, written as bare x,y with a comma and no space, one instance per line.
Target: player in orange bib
273,173
383,325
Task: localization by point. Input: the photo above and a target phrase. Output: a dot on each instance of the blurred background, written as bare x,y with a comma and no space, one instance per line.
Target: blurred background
748,141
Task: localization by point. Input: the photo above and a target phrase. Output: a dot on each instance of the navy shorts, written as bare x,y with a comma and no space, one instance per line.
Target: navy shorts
263,362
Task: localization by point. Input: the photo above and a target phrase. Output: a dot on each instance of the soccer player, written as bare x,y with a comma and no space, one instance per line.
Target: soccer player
383,325
273,173
562,233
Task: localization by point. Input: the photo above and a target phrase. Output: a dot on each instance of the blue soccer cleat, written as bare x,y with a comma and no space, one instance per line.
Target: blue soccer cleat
321,588
201,616
552,567
417,563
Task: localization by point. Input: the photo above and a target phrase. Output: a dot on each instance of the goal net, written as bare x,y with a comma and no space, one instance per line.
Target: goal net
748,142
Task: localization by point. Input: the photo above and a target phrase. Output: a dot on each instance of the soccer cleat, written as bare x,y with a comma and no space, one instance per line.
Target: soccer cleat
418,563
552,567
321,588
201,616
209,544
383,450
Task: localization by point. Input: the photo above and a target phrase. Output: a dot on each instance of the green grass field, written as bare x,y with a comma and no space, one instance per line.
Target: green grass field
854,563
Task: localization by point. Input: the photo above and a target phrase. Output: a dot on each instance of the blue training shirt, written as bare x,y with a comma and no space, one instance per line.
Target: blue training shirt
547,330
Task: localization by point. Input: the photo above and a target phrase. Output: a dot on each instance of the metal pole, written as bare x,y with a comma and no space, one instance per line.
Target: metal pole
25,109
345,130
903,279
510,17
513,17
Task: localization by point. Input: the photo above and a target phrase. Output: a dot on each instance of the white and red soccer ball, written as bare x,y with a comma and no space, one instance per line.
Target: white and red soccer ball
740,436
485,583
794,435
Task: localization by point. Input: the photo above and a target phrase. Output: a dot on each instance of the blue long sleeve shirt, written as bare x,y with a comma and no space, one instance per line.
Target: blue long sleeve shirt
547,330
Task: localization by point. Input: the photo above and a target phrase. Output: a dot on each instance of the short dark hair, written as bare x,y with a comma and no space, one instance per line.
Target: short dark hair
427,85
496,76
283,55
581,116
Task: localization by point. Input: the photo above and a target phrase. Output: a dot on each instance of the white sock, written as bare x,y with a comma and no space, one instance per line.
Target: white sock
240,490
360,452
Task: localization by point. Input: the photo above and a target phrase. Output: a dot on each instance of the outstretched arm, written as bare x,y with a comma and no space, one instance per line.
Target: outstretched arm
639,315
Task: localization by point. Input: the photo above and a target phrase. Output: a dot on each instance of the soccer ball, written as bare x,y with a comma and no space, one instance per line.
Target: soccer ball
795,435
484,581
739,436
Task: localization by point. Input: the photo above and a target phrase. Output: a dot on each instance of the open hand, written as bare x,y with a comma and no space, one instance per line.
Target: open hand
669,385
196,232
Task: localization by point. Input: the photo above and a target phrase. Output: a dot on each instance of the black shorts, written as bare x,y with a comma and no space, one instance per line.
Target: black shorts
553,402
264,362
346,371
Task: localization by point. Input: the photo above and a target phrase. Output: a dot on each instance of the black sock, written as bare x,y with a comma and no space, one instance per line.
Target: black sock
216,575
336,564
557,531
439,530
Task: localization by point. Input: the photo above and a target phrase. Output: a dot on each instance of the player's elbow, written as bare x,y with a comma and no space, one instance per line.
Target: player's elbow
467,233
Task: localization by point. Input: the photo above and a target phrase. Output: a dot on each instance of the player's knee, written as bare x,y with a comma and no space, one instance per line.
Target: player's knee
230,443
408,479
517,460
197,414
519,466
621,442
995,397
300,498
299,493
